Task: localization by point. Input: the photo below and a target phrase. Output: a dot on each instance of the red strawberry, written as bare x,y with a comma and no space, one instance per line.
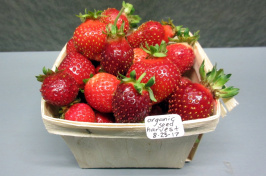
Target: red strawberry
104,117
117,55
58,88
132,100
156,64
70,46
109,16
139,54
80,112
99,91
151,32
169,30
89,38
78,66
198,100
182,55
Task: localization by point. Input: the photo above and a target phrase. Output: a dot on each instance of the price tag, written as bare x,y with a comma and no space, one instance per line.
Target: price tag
164,126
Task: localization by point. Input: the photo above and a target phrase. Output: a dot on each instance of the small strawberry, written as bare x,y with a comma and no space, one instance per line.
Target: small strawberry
70,46
151,32
78,66
80,112
183,35
139,54
99,91
117,55
169,30
58,88
89,38
109,15
156,64
198,100
104,117
132,100
182,55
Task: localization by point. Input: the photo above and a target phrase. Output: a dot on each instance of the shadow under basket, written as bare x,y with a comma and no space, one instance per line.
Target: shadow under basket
125,145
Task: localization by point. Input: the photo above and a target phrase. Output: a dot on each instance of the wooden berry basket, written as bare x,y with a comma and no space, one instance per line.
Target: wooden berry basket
117,145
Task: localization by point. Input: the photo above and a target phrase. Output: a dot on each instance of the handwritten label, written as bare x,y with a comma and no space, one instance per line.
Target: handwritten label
164,126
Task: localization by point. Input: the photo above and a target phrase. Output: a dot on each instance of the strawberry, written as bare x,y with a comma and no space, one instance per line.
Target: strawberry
151,32
132,100
139,54
58,88
78,66
89,38
70,46
156,64
117,55
104,117
80,112
182,55
99,91
198,100
169,30
109,16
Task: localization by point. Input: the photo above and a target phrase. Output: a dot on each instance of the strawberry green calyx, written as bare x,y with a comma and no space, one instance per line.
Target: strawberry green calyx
46,72
138,85
183,35
157,50
128,11
215,80
89,15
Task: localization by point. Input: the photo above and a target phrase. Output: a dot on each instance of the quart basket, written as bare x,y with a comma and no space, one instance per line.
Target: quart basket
118,145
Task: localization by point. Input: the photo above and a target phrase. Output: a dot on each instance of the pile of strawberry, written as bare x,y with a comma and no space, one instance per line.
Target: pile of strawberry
117,72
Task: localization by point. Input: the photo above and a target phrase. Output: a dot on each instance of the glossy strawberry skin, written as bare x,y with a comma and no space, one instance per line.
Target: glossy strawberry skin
104,117
151,32
117,56
70,46
99,91
78,66
166,74
191,101
168,32
182,55
80,112
129,106
89,38
59,89
139,54
109,15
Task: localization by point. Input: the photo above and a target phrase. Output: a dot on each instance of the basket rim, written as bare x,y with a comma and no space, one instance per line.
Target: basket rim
76,124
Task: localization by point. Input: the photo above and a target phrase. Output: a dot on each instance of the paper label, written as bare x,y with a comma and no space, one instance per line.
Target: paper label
164,126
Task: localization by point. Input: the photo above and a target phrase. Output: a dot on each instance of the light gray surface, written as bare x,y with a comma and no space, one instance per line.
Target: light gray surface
34,25
236,147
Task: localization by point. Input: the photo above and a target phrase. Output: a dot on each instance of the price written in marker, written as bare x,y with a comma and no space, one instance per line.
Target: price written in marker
164,126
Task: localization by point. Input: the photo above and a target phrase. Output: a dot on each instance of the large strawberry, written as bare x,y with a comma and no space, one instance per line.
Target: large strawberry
78,66
132,100
89,37
151,32
181,54
198,100
58,88
117,55
99,91
80,112
156,64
